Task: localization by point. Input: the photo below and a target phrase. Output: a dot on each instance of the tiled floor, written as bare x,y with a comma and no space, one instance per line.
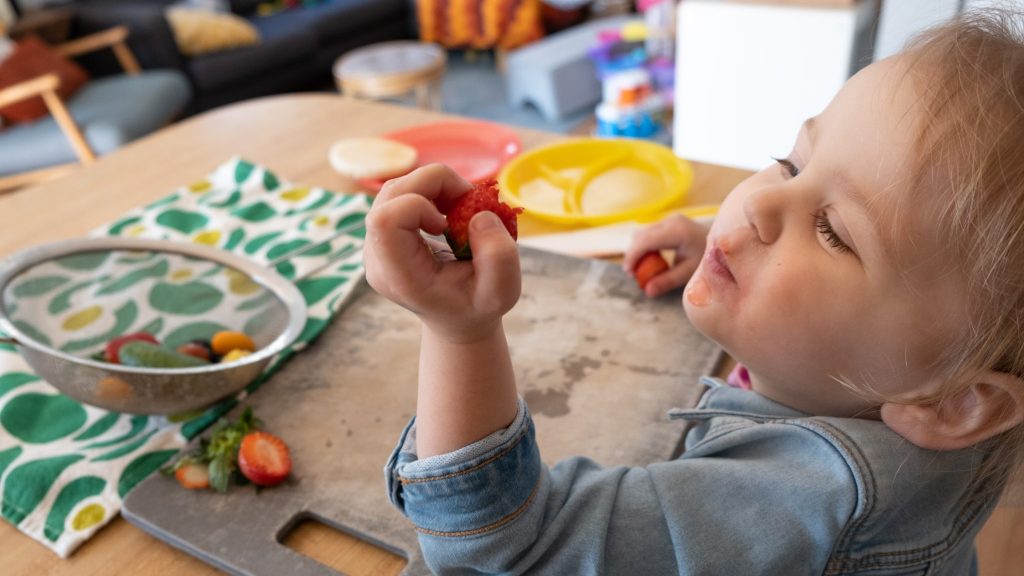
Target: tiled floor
474,88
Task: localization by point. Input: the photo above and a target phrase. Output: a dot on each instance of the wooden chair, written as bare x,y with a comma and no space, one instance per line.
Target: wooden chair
46,86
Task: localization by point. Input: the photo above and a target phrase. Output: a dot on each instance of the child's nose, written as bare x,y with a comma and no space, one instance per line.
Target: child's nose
763,209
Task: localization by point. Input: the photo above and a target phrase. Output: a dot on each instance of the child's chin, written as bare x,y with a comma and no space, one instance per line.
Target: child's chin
712,323
701,317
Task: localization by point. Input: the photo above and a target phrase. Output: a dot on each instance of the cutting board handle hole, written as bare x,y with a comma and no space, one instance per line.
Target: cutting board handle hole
336,547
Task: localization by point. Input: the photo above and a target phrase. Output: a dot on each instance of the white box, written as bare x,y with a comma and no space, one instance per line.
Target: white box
747,75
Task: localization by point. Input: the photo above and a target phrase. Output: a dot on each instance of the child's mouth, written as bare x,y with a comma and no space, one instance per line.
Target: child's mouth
717,264
715,271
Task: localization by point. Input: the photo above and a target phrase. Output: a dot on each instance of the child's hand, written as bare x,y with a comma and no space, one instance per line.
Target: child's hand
460,301
677,232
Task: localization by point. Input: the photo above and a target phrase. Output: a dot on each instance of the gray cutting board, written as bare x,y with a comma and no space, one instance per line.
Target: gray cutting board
598,363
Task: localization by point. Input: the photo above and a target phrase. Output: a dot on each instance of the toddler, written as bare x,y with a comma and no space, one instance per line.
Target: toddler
871,284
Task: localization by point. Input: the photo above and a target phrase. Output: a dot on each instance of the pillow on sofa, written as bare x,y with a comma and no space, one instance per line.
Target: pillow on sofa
31,58
198,32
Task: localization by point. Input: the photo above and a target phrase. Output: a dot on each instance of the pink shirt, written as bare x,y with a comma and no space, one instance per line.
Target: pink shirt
739,377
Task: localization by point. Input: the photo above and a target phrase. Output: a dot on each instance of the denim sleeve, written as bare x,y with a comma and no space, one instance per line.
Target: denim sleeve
766,499
444,494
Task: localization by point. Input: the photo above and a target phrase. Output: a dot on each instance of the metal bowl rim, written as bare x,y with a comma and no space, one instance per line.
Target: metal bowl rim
280,287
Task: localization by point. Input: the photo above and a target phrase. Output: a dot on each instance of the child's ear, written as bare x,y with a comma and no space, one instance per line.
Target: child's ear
991,405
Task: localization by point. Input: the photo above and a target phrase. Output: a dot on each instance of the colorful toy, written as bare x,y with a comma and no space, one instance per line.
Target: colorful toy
637,77
630,106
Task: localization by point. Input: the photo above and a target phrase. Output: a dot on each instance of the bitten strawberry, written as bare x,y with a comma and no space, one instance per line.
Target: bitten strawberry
483,197
649,266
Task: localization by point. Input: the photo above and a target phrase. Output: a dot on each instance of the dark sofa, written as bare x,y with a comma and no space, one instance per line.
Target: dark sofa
297,50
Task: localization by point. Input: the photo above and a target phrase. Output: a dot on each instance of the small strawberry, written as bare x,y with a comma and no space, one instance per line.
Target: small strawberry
195,349
649,266
482,198
264,459
193,475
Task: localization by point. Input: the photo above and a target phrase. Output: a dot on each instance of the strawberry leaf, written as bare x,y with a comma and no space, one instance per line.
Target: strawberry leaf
220,472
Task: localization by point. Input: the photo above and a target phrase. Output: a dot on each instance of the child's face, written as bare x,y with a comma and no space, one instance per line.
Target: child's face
834,273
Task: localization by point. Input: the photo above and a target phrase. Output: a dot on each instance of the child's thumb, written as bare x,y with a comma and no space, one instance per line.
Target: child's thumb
495,257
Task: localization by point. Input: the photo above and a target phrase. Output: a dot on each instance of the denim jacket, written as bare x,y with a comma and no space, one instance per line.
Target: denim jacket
760,489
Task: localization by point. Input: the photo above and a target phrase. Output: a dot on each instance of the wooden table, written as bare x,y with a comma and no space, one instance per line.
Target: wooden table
290,135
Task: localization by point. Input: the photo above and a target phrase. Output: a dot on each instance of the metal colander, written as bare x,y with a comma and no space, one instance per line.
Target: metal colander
61,303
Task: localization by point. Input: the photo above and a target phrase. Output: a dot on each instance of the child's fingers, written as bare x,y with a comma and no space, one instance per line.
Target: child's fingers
676,276
436,182
637,248
630,257
495,264
677,232
409,212
658,236
396,258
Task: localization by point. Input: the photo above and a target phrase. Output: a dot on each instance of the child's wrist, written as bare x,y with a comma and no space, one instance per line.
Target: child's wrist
462,334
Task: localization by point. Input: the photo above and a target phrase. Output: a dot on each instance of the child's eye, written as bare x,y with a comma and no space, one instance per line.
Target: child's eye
824,226
788,167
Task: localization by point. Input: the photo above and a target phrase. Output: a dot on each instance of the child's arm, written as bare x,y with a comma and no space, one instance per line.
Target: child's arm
466,382
467,390
678,233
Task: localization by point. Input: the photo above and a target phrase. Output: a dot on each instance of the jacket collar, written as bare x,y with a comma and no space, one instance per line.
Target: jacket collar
722,399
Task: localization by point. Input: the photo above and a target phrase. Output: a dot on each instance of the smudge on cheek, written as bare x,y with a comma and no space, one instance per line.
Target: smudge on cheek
698,292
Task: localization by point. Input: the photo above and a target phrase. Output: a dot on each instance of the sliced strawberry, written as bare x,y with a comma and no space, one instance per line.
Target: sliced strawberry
649,266
194,476
482,198
195,349
114,346
264,459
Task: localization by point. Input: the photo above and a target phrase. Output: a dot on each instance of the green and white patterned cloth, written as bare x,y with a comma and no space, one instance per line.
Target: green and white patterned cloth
65,467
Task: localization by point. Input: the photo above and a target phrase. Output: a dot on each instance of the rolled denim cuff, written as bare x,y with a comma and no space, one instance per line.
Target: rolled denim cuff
469,491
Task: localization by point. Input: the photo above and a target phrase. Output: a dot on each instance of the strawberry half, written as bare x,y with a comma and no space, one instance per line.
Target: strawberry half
482,198
194,476
649,266
264,459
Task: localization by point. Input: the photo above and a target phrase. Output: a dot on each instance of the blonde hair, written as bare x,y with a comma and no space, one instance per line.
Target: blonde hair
973,144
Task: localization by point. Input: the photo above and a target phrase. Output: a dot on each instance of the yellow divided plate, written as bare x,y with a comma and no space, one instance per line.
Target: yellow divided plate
596,181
